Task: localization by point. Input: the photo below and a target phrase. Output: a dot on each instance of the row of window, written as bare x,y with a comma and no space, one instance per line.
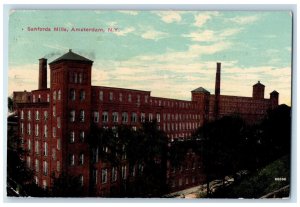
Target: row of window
72,159
72,95
179,183
114,173
36,114
124,117
56,95
39,98
45,147
113,96
77,77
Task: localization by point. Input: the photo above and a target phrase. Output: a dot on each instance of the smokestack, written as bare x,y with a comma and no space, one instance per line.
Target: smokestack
217,90
42,73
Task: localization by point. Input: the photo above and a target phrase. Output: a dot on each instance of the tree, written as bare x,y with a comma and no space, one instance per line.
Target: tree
10,104
146,148
66,186
222,143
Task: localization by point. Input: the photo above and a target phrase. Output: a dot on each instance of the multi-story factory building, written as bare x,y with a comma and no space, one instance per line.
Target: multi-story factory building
54,122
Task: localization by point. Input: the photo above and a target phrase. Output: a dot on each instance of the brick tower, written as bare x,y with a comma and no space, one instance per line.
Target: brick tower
258,91
70,108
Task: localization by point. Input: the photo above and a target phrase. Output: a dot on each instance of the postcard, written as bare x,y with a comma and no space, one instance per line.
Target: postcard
149,104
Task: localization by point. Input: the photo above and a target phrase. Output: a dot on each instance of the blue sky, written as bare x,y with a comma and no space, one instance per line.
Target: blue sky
167,52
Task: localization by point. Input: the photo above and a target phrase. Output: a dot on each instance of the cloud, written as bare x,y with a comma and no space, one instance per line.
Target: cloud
154,35
207,35
244,20
203,17
169,16
131,12
124,32
210,36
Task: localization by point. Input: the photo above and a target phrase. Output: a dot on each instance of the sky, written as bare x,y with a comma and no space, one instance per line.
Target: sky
169,53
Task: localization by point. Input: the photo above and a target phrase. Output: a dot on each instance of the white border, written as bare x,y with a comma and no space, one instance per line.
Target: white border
160,5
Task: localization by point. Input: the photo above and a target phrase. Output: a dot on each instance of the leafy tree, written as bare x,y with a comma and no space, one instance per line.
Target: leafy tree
10,104
66,186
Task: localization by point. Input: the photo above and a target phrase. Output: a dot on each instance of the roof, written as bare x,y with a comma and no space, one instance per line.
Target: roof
200,90
71,56
259,84
274,92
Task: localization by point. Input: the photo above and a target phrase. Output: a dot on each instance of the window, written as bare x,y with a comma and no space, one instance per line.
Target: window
146,99
80,77
133,117
82,95
114,174
72,115
45,167
54,95
143,116
138,99
81,116
53,154
101,95
59,95
72,137
129,97
95,176
82,136
48,98
44,184
54,131
123,169
36,180
132,170
28,160
37,147
22,128
104,176
36,130
104,116
140,169
120,97
124,117
29,129
45,149
75,77
150,117
22,114
158,117
180,182
81,159
29,145
72,159
72,94
45,115
111,96
37,115
115,117
29,115
54,111
58,144
37,167
58,122
33,98
58,166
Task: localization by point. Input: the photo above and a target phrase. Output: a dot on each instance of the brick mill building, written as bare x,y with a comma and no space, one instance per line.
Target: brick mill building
54,122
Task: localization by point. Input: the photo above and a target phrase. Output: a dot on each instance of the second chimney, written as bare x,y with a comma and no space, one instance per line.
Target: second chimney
42,73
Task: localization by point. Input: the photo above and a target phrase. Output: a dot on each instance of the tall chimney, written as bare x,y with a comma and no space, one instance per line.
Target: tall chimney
217,90
42,73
